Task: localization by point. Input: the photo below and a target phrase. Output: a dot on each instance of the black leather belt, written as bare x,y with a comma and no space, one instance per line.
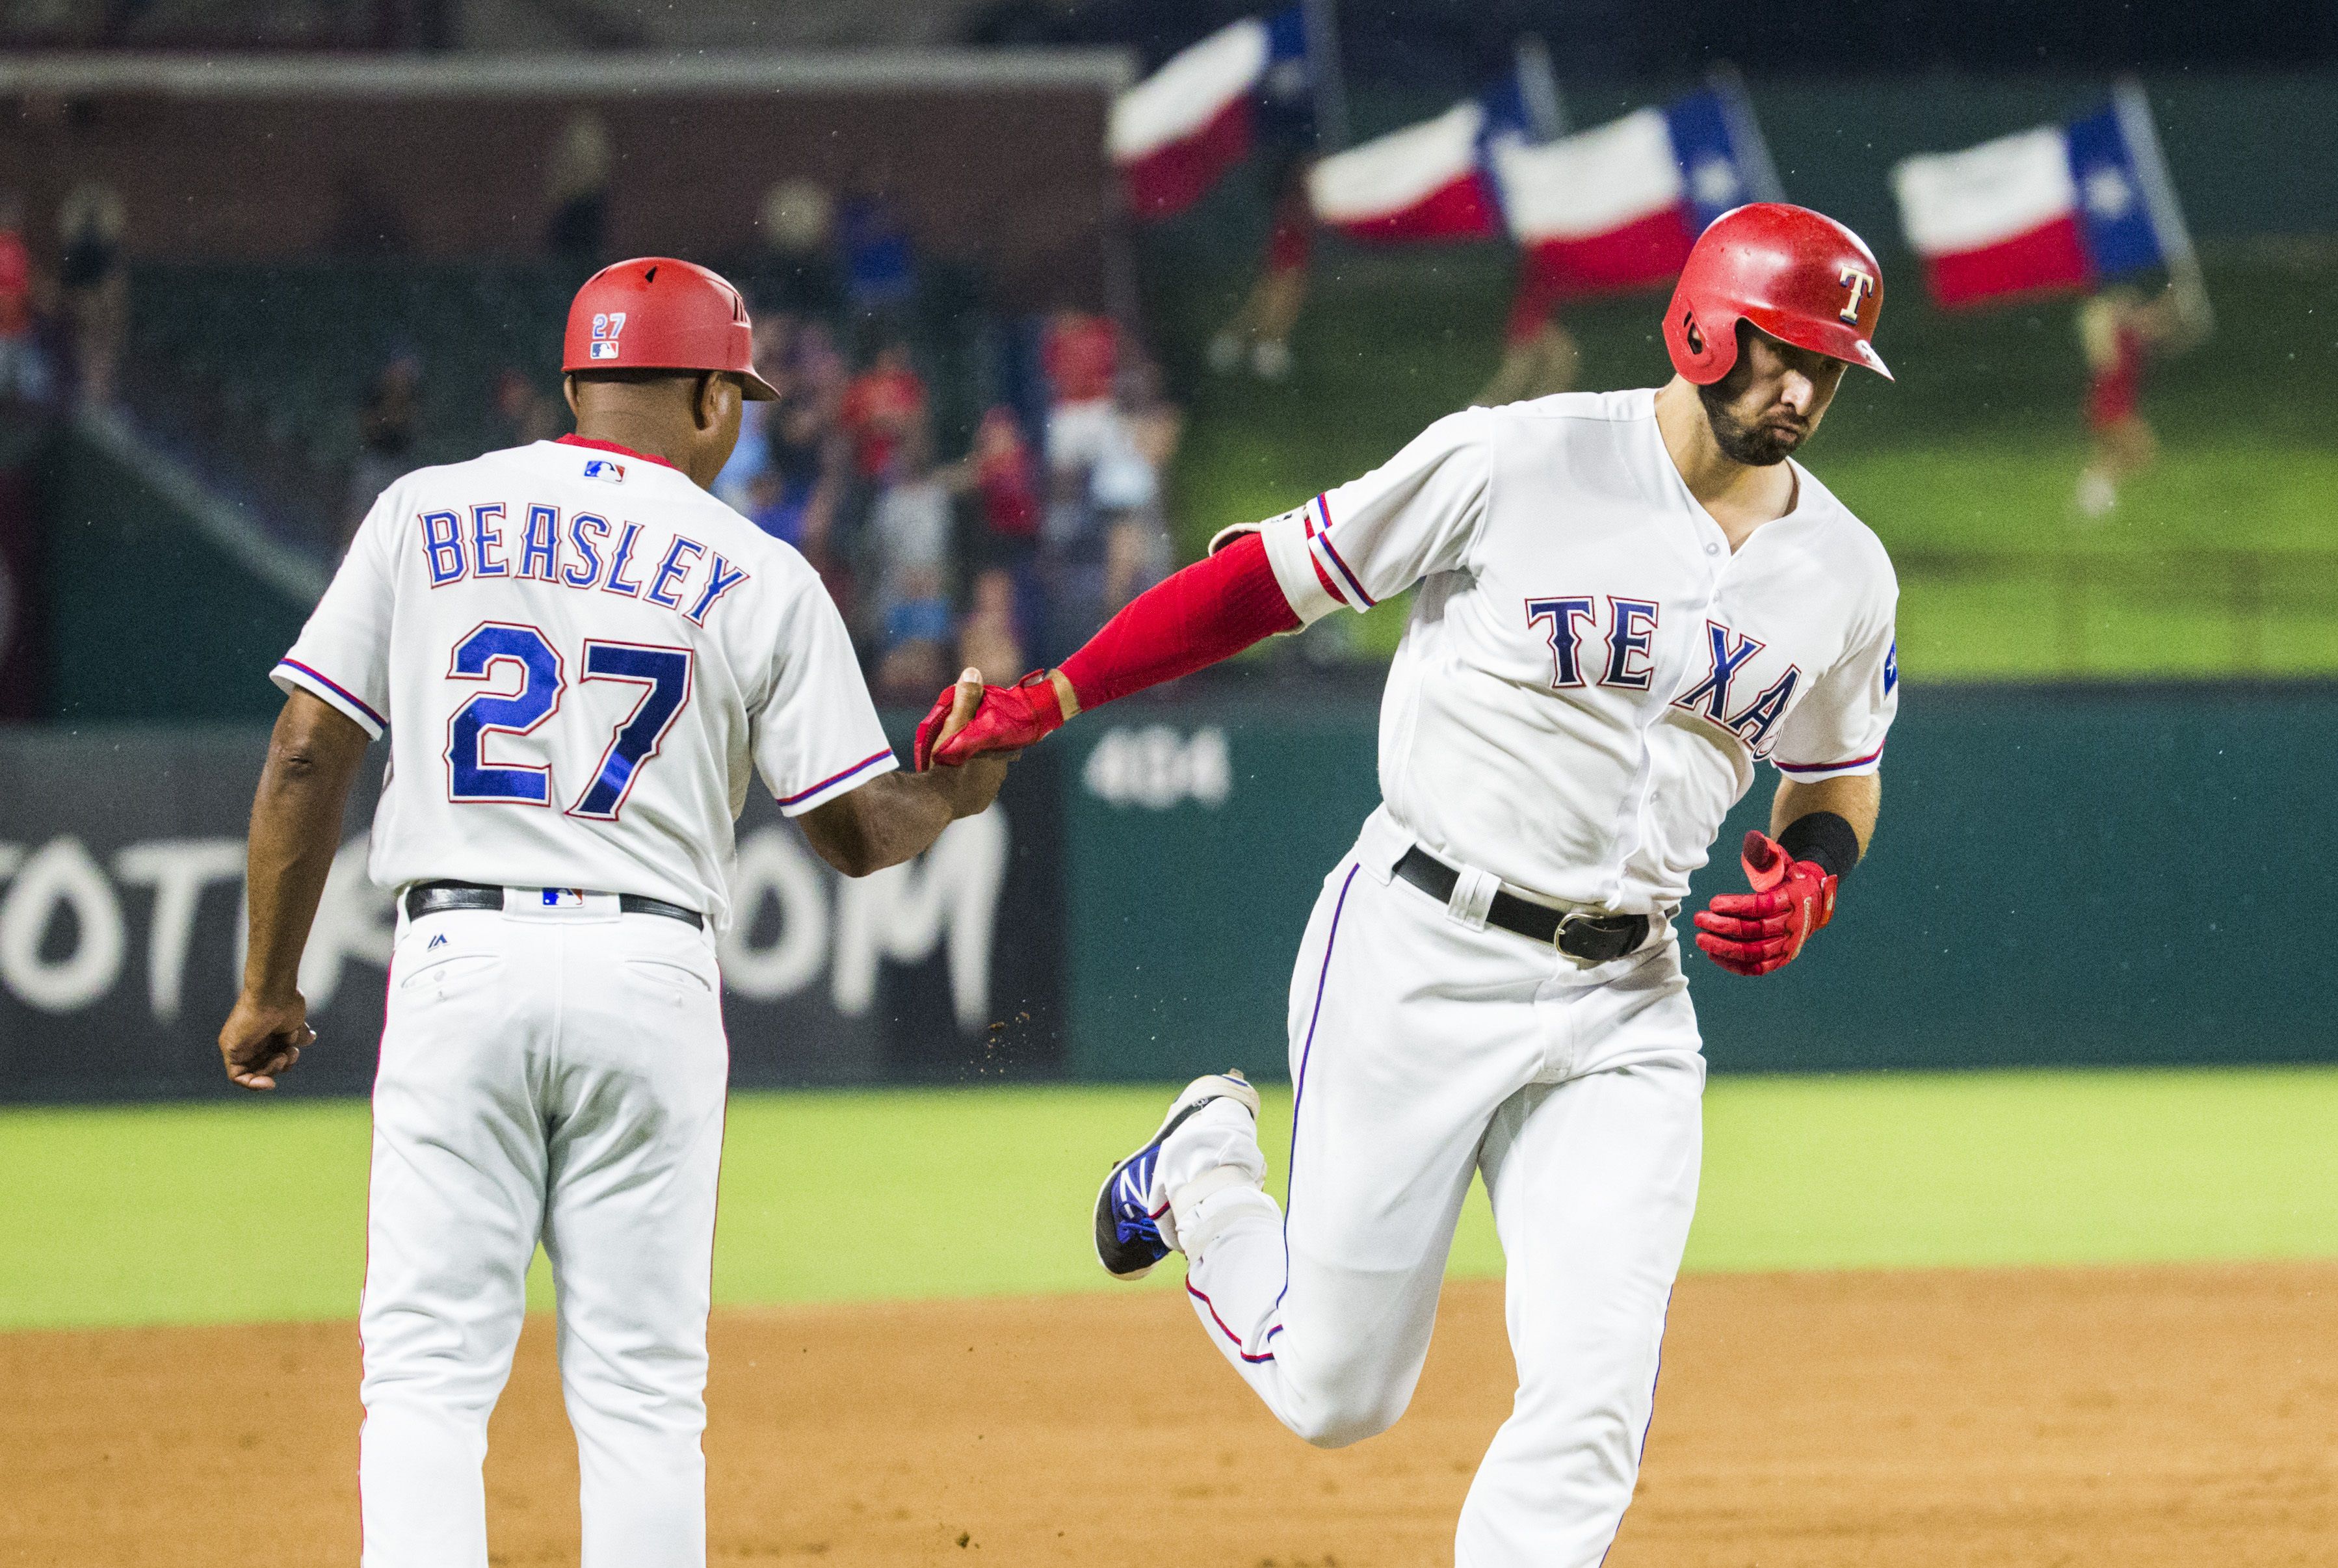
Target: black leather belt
436,898
1578,933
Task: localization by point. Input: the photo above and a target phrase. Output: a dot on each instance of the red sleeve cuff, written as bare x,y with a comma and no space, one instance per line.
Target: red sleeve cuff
1209,612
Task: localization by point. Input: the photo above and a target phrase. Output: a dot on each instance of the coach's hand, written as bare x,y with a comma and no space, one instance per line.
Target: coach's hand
263,1039
970,784
1754,933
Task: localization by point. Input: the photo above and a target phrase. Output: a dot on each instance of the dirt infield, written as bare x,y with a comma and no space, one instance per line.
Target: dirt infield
2138,1417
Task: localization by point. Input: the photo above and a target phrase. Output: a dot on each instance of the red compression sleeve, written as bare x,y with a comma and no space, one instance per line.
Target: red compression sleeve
1212,610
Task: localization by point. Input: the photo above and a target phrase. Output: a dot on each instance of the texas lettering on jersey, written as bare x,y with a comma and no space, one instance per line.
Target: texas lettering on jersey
1592,668
1630,629
1754,723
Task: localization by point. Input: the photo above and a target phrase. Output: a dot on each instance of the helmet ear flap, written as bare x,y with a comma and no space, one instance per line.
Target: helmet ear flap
1700,333
1699,354
1716,350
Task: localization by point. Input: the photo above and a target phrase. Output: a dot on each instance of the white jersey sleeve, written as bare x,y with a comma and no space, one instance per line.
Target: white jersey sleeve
343,652
1414,516
816,735
1838,729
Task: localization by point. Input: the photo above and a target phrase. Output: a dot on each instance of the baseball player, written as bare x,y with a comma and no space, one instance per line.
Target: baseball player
1623,602
579,656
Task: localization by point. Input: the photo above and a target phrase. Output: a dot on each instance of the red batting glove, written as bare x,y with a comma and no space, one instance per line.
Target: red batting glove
1009,719
921,750
1754,933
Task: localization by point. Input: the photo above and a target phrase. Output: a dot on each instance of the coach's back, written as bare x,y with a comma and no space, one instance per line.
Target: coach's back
578,655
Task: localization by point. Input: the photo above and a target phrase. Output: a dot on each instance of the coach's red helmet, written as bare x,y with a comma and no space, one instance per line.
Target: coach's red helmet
655,313
1798,275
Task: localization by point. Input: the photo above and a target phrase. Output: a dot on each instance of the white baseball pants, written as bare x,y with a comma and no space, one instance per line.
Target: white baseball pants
555,1073
1425,1047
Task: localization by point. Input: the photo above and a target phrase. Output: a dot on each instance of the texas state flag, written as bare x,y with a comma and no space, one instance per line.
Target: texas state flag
1617,208
2057,208
1434,181
1174,133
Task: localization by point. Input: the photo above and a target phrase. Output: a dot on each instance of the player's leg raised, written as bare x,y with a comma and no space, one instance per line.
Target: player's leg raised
1407,1030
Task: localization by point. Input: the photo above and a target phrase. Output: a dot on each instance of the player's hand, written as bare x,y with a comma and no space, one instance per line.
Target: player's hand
263,1039
1754,933
950,713
1009,719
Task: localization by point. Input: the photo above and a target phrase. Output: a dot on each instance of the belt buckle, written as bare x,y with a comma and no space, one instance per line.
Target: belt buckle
1571,921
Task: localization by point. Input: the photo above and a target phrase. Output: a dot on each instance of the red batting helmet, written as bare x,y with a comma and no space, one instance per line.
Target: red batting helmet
655,313
1798,275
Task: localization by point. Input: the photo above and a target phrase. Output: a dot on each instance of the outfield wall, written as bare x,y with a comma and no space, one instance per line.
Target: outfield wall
121,918
2063,876
2090,874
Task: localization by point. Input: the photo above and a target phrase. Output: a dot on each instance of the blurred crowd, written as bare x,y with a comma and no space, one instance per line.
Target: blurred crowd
1008,554
1001,546
1001,557
63,328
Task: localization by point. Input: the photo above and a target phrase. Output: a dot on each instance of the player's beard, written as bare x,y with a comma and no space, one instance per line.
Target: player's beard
1761,446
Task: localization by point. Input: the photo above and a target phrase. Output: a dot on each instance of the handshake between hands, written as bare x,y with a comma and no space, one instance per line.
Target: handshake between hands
971,719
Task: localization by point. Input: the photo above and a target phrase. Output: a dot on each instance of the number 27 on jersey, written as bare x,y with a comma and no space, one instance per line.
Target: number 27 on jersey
662,673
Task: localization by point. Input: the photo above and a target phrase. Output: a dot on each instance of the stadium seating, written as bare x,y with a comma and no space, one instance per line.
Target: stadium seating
256,376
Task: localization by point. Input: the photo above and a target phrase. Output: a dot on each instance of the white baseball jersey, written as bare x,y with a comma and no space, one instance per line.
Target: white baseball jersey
579,654
1590,673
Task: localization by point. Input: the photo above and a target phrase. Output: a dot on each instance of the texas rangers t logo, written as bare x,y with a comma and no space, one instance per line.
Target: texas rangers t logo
1862,284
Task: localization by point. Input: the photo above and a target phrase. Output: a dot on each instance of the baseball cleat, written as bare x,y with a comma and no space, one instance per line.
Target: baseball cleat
1128,1212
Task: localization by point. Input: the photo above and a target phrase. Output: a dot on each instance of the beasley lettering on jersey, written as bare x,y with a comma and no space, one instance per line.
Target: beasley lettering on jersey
687,573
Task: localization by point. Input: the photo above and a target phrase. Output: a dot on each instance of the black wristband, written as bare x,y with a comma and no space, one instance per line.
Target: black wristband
1823,838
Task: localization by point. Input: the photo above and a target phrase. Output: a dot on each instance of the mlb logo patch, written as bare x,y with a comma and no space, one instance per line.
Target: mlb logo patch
564,897
606,327
602,468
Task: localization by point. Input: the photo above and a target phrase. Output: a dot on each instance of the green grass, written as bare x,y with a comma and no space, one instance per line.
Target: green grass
251,1212
1965,467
